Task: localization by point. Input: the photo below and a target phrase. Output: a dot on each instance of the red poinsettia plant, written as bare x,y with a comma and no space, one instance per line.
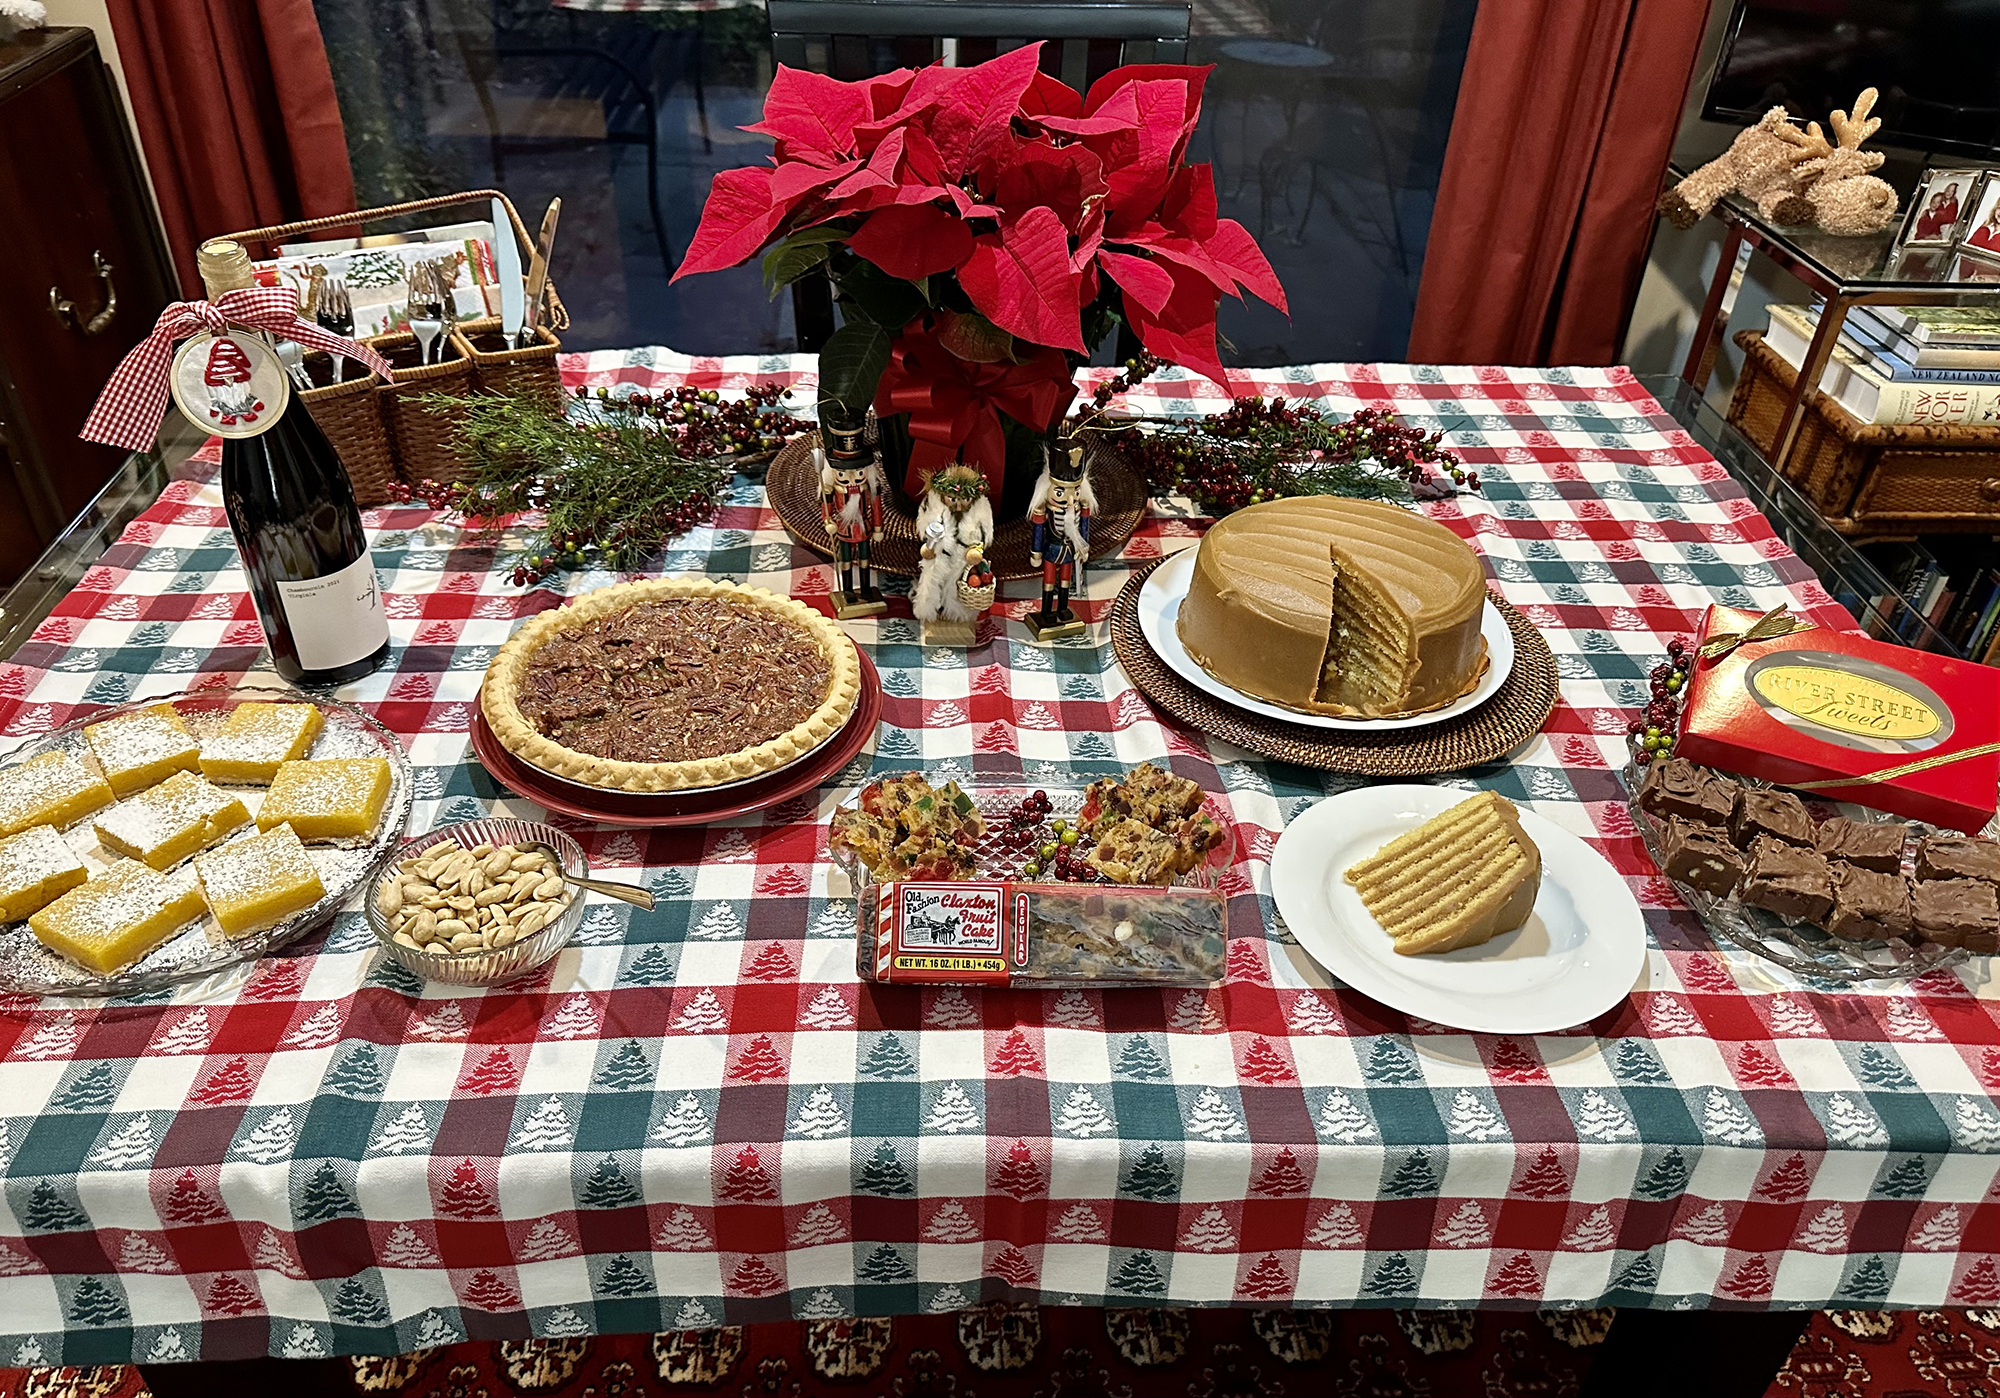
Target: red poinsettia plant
980,225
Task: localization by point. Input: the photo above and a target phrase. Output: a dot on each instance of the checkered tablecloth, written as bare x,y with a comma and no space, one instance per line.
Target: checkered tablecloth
698,1116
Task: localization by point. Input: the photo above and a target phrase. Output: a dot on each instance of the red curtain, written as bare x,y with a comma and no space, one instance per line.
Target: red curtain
1566,115
234,102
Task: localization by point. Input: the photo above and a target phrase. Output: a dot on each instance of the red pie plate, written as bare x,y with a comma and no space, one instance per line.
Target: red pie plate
658,811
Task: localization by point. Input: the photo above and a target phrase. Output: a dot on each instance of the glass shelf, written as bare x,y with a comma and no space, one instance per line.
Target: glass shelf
1843,570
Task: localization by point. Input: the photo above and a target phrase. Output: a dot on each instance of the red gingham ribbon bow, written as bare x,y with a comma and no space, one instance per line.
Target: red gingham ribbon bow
128,412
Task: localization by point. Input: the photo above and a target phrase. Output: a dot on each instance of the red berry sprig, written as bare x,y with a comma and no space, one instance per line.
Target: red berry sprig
1651,735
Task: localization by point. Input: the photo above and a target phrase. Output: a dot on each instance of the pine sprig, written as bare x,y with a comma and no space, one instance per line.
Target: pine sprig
619,478
1259,449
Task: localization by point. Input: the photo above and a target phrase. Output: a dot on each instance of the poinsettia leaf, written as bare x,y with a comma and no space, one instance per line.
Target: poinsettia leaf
1192,79
1020,279
1148,283
1120,113
791,183
851,363
1068,179
913,240
1050,96
1189,205
1184,330
1137,185
1234,250
814,110
869,292
735,221
1184,252
974,111
804,250
885,91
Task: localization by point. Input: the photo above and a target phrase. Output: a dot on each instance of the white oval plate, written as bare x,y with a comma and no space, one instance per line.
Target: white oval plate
1579,954
1160,600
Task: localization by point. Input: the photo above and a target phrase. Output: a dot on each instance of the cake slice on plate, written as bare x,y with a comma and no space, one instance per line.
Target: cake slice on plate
1459,879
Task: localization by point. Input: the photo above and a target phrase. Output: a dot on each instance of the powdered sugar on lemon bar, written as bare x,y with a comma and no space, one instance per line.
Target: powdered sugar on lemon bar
52,789
36,866
255,882
256,739
142,749
165,824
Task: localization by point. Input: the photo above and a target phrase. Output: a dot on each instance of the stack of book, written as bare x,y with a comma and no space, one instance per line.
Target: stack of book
1956,596
1930,366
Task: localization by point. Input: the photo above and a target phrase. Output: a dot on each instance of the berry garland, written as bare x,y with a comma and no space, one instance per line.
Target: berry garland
618,476
1258,449
1651,735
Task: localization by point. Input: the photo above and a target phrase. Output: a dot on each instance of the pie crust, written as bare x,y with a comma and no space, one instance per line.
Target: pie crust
499,693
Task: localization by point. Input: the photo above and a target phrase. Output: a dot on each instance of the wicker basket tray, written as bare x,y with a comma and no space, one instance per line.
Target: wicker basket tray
418,441
351,416
1869,481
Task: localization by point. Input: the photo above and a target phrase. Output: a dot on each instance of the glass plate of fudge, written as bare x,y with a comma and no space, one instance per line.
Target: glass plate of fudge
170,838
1841,892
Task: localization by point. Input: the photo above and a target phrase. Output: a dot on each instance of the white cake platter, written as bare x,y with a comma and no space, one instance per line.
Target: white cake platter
1166,587
1580,953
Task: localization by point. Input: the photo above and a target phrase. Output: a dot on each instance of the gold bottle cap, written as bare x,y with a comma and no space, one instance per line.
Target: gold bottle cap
225,266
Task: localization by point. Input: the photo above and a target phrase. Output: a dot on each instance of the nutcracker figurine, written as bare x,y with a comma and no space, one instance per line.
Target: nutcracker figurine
850,501
954,527
1059,512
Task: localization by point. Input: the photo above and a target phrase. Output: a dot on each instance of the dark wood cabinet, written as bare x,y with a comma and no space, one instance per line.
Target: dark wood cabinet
79,231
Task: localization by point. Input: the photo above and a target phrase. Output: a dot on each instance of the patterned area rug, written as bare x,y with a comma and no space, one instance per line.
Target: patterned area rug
1023,1351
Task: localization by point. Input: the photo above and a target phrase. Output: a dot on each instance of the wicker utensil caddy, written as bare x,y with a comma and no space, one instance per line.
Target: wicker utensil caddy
381,433
1869,481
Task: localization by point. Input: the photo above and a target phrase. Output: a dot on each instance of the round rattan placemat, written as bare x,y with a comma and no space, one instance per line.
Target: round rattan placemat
793,487
1514,714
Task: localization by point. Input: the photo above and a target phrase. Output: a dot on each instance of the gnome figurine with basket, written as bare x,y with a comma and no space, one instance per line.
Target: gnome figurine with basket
954,528
1059,514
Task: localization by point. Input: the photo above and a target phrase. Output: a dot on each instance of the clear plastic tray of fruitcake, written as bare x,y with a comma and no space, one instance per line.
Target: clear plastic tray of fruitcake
1105,883
1795,943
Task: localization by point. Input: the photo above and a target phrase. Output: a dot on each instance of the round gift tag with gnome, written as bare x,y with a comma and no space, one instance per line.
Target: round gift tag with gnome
954,530
1059,514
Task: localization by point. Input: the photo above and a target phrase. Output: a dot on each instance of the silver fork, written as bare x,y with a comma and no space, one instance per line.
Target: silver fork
424,308
336,313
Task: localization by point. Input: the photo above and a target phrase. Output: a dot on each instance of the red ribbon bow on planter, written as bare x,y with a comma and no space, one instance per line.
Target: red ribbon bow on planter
128,412
956,404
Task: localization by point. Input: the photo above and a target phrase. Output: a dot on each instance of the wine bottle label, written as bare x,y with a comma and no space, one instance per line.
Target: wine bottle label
230,383
336,619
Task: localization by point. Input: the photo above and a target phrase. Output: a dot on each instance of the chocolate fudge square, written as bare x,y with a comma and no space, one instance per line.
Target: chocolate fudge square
1679,790
1868,906
1700,856
1776,814
1958,913
1787,880
1864,844
1958,857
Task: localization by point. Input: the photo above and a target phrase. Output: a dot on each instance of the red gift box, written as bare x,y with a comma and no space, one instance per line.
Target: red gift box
1811,707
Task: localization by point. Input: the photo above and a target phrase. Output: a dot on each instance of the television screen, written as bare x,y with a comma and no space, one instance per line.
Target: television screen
1936,64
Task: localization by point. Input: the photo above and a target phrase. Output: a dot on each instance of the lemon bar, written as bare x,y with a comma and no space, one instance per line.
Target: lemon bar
332,799
35,867
165,824
253,883
53,789
118,916
143,749
256,738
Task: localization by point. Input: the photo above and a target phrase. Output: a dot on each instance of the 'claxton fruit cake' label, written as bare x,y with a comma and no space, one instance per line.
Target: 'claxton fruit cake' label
1916,732
950,932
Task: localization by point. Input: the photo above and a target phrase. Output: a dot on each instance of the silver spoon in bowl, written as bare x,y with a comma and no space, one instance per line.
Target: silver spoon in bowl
623,892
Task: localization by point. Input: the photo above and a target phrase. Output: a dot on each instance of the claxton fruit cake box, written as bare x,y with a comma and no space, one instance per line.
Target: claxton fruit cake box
1919,733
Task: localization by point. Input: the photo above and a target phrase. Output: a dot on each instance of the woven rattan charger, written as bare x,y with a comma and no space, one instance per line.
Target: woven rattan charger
1514,714
793,487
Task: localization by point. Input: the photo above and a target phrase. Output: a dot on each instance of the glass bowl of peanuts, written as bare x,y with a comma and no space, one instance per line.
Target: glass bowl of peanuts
470,904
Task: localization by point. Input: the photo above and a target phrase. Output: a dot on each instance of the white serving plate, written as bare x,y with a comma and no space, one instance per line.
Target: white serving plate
1160,600
1579,954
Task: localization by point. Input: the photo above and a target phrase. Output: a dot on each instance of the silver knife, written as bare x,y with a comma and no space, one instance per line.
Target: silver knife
507,268
538,271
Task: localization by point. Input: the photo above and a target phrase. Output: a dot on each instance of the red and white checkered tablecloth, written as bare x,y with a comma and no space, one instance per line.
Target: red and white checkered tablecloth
699,1116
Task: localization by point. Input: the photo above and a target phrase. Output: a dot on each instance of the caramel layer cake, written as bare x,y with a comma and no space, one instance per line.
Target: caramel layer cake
1459,879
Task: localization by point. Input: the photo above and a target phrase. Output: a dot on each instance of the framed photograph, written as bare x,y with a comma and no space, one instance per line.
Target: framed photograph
1942,203
1982,225
1969,266
1920,264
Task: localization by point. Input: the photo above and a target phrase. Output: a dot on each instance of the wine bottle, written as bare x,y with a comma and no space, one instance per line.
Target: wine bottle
292,510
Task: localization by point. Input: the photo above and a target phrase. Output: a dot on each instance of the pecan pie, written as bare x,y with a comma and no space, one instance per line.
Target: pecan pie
671,684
